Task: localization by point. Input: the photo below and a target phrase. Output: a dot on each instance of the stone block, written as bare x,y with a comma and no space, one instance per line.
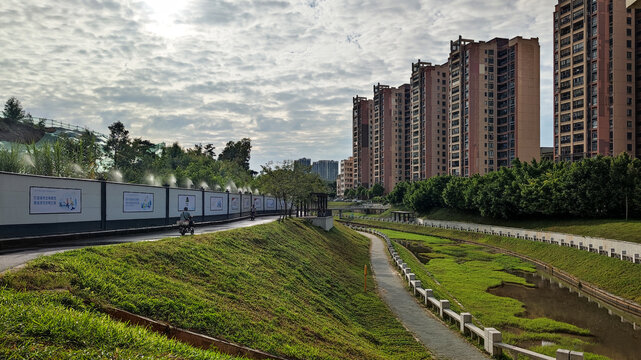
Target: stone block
466,318
562,354
445,304
492,336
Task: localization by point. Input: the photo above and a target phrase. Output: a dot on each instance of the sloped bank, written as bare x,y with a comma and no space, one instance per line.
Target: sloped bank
284,288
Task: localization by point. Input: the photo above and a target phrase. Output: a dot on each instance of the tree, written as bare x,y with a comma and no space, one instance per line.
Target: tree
376,190
291,183
238,152
13,110
118,144
398,193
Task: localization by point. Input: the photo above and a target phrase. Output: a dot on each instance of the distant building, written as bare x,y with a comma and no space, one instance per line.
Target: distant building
304,161
362,113
326,169
429,114
390,143
345,180
547,154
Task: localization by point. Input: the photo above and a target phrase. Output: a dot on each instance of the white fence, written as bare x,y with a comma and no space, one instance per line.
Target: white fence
491,338
623,250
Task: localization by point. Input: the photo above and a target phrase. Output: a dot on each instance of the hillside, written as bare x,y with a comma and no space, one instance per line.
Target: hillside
285,288
19,133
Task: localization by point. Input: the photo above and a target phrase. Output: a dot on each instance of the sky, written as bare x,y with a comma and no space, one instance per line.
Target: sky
282,73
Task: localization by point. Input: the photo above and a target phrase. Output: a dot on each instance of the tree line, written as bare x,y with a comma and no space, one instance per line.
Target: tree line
599,187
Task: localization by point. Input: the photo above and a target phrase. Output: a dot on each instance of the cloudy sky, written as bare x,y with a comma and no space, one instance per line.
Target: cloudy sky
282,73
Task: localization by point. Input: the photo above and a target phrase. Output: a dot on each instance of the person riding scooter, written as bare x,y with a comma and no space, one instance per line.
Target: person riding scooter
253,212
186,223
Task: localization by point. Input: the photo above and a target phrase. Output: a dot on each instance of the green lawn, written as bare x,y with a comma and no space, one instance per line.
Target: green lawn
285,288
339,204
607,228
57,325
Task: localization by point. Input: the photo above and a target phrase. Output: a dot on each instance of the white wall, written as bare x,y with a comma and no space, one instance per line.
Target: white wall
208,196
233,196
247,205
15,198
115,202
259,202
173,202
270,208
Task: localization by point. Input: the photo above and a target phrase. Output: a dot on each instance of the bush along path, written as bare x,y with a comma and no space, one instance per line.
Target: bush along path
491,339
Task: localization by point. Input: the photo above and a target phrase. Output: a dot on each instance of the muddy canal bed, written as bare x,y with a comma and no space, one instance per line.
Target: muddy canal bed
609,335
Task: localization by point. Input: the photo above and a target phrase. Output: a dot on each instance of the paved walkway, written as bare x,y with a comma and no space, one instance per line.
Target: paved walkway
17,257
431,332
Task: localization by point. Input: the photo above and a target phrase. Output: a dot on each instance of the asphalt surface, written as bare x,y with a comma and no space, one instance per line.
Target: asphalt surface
16,257
442,342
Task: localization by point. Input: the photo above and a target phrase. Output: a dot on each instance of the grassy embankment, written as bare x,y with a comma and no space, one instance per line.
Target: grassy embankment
289,289
615,276
462,273
57,325
607,228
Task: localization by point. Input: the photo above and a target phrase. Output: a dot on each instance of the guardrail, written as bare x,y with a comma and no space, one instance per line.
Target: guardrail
619,249
491,338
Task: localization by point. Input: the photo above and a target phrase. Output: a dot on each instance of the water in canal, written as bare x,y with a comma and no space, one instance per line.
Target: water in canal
610,336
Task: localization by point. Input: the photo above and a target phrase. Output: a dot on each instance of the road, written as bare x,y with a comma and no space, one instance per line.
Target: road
16,257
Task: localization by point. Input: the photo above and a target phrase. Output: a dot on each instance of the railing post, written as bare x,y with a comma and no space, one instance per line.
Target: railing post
492,336
466,318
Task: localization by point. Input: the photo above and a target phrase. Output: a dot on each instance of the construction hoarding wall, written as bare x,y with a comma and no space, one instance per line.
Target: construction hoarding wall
40,205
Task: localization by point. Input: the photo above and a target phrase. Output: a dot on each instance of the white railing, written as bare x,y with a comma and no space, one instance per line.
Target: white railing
619,249
492,339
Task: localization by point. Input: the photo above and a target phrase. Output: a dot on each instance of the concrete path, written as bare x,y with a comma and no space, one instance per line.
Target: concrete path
431,332
15,257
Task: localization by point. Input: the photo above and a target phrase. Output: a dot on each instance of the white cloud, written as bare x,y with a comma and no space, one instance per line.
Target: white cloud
280,72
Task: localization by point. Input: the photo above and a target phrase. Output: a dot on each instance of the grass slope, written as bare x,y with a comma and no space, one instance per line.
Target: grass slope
57,325
607,228
615,276
289,289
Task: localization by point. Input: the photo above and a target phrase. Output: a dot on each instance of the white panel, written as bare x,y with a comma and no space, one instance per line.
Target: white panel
15,198
115,198
234,203
270,203
215,203
174,210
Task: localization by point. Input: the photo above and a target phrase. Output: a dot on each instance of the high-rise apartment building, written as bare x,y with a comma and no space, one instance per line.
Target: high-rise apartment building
429,113
494,104
304,161
345,180
362,112
594,79
389,139
326,169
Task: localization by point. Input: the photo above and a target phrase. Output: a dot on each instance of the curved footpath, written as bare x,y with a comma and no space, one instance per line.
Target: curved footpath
431,332
17,257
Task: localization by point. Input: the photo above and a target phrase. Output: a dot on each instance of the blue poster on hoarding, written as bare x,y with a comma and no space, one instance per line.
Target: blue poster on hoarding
215,203
54,200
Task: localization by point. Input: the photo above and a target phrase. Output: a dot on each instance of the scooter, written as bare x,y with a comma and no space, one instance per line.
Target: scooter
184,227
252,216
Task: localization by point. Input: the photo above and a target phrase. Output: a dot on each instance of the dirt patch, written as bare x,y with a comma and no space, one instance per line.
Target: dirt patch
19,133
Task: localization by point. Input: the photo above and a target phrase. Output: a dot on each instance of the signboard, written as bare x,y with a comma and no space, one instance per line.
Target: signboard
270,204
187,201
234,202
54,201
216,203
258,203
246,203
137,202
